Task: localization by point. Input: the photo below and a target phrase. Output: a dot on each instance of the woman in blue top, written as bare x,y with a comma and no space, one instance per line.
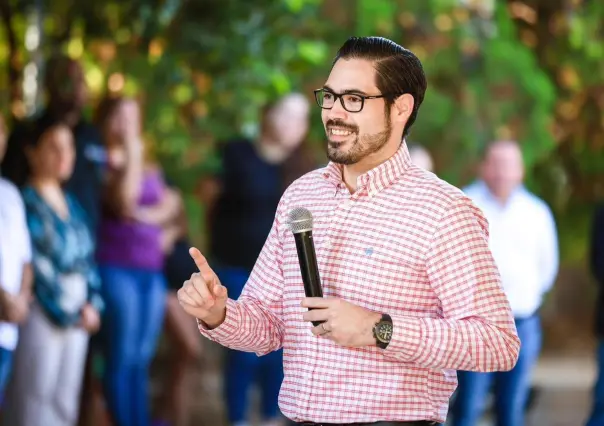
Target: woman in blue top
50,357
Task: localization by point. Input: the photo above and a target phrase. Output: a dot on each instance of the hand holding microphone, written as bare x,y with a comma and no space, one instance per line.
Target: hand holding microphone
343,322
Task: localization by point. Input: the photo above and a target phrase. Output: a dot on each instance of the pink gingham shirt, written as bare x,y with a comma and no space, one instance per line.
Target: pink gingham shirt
405,243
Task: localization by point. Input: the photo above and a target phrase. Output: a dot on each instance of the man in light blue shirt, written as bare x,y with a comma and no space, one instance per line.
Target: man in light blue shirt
523,241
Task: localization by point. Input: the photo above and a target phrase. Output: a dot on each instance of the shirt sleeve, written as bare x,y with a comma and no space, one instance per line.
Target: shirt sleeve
254,323
475,330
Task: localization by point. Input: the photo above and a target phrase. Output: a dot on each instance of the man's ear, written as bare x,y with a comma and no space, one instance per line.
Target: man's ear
403,107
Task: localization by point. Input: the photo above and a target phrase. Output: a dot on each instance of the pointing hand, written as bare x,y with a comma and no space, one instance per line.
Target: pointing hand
202,296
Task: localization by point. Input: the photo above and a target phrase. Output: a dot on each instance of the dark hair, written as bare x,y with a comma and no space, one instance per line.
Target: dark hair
105,109
40,128
398,70
265,110
57,68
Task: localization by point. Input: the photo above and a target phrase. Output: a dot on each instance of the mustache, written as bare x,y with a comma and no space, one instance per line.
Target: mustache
341,124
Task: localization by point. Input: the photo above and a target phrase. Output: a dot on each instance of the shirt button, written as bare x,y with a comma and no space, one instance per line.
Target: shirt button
326,175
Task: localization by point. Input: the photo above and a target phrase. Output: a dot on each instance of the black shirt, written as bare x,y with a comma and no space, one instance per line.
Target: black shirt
245,209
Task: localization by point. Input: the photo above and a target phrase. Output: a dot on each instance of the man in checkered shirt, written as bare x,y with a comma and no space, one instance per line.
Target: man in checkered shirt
411,290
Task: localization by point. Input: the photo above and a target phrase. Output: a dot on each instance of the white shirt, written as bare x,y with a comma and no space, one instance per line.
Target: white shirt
15,252
524,244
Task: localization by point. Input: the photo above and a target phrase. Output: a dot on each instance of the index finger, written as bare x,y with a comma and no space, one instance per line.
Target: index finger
201,262
317,302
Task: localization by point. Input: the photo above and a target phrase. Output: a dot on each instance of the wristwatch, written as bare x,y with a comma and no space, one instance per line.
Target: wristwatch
382,331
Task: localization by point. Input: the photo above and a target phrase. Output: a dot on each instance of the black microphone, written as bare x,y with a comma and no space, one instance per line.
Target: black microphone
300,223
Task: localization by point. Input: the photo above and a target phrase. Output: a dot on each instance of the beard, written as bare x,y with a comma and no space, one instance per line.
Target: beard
361,147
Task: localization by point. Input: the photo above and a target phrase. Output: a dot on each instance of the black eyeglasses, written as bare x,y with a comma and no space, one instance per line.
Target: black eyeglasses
351,102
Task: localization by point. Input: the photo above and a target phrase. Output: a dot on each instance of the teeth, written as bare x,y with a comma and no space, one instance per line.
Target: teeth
339,132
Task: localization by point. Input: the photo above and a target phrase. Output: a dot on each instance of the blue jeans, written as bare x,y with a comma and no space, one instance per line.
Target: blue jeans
6,366
511,387
135,304
597,412
243,369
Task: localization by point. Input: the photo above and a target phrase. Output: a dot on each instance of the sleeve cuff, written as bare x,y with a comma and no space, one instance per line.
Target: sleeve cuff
406,338
226,331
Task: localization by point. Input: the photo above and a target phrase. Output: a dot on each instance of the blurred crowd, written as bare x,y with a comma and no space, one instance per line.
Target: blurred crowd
94,244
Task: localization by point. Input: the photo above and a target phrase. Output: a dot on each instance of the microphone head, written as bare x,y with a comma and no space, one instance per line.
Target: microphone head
300,220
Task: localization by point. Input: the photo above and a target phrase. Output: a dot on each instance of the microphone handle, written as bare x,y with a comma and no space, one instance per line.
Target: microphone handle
308,266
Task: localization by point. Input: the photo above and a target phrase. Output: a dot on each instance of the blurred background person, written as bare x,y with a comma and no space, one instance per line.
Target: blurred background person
15,269
137,205
51,354
67,97
524,243
182,333
253,178
596,262
421,157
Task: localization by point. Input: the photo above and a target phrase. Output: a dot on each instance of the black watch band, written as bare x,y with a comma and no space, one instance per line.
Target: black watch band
382,331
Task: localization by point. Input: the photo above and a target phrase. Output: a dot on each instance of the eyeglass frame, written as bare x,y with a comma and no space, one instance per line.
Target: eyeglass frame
341,97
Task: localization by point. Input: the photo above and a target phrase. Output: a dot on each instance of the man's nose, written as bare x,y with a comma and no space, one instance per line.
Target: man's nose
337,111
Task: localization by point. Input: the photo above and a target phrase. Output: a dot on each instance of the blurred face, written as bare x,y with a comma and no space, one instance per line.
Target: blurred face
122,126
288,121
123,123
68,87
503,168
353,136
53,157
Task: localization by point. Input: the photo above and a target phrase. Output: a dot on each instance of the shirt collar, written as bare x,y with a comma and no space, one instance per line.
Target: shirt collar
378,178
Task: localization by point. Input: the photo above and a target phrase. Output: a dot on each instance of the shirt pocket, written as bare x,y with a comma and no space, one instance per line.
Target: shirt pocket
394,266
388,279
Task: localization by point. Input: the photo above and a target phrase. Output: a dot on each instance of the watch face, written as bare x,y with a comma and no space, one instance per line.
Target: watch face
384,332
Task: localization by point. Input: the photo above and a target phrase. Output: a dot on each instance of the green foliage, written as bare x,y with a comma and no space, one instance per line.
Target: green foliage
496,89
